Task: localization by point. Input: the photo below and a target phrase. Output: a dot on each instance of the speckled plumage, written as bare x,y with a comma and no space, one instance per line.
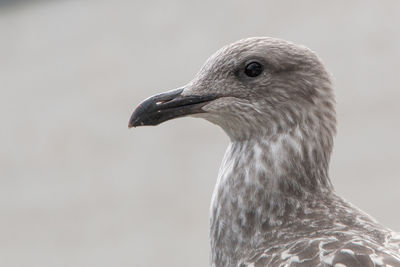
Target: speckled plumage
273,203
264,217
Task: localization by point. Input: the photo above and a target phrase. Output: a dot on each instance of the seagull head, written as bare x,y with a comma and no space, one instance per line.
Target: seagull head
254,87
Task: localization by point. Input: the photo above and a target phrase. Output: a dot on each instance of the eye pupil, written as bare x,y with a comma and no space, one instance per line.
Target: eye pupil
253,69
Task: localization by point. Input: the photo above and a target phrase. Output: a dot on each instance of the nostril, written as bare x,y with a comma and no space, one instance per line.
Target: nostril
163,101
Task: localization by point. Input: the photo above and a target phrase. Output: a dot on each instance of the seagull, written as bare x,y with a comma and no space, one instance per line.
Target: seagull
274,203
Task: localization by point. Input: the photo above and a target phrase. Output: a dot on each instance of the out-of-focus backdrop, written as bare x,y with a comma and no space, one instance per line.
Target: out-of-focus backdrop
77,188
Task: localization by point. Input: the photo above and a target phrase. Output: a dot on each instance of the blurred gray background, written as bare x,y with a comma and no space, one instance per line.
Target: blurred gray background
80,189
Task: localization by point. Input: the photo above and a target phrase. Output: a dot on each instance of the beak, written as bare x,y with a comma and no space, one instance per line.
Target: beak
167,106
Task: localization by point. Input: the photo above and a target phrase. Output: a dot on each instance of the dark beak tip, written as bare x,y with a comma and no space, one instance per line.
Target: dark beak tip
134,120
135,124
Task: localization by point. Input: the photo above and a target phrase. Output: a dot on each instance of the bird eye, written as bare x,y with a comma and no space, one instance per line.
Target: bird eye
253,69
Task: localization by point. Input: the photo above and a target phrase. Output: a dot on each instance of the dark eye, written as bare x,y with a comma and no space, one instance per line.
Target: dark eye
253,69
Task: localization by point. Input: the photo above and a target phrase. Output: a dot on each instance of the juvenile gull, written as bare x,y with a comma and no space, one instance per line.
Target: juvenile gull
273,203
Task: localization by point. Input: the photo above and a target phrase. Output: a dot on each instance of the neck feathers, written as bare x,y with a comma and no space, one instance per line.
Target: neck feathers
262,184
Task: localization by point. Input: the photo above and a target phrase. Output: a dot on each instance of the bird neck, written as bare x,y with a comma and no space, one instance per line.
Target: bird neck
262,184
